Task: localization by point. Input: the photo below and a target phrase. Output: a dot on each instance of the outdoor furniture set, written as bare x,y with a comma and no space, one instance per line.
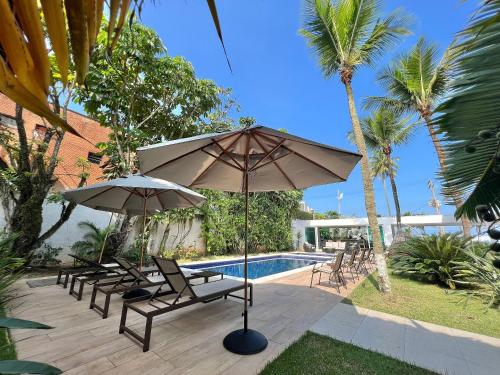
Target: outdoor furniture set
173,288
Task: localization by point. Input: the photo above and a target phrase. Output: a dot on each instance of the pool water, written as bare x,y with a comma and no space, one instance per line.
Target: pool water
258,267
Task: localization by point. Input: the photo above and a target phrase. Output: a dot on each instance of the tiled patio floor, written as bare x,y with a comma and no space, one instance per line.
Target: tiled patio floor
186,341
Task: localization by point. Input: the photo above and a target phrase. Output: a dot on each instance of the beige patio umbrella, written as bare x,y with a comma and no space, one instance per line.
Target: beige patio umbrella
135,195
252,159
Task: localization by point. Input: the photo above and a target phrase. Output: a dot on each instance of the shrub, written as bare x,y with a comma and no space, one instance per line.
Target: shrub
9,267
430,257
133,254
46,256
93,239
480,275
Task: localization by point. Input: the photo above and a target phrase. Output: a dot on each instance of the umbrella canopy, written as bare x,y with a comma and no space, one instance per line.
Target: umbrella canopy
134,195
251,159
274,161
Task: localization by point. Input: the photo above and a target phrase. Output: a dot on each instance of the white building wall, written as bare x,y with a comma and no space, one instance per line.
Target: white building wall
386,222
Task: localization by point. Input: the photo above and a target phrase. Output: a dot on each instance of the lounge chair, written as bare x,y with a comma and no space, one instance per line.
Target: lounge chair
133,280
360,263
110,272
350,265
182,294
332,269
80,266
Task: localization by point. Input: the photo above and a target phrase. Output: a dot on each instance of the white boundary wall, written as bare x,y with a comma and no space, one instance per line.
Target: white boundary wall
186,235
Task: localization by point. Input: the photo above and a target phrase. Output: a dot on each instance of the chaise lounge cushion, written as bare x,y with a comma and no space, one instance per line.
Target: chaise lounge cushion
215,287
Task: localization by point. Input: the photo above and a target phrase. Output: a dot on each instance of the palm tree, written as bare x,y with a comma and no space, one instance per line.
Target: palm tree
382,131
379,168
345,36
93,240
414,84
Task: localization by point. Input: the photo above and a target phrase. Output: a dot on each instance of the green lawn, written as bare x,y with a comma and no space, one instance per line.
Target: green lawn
7,348
429,303
314,354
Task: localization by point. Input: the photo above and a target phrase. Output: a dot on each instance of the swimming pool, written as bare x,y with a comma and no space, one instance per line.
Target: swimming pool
259,267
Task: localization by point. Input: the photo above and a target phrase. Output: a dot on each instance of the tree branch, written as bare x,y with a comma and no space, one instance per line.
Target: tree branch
66,212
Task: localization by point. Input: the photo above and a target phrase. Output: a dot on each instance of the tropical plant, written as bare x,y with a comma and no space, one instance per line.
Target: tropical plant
14,366
379,166
28,176
223,226
46,255
9,267
469,119
345,36
27,30
160,98
95,241
480,275
414,84
382,131
430,257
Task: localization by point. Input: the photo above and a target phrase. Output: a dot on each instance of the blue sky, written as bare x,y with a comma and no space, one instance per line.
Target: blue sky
276,79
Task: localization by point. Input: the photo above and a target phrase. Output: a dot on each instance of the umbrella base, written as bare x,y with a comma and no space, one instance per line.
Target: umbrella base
245,342
136,293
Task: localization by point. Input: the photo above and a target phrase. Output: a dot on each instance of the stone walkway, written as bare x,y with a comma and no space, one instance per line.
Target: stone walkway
441,349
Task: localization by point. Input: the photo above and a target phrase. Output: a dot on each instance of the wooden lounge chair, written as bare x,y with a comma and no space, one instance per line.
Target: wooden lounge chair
133,280
80,266
332,269
181,294
102,272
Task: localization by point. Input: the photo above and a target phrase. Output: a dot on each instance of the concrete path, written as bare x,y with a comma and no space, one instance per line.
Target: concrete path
438,348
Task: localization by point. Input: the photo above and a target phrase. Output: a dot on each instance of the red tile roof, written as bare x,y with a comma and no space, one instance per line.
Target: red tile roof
72,148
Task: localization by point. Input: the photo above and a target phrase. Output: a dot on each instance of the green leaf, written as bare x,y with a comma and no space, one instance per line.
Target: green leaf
27,367
13,323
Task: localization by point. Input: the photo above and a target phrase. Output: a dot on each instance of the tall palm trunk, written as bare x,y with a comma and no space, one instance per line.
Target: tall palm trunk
466,225
396,198
371,211
386,196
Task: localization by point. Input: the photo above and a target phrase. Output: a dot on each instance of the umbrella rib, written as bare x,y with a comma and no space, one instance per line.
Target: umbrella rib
215,160
187,153
304,142
269,162
225,152
304,157
267,154
276,164
96,195
126,200
222,160
186,198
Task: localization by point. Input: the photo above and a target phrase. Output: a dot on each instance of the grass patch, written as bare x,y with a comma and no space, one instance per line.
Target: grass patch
315,354
427,302
7,348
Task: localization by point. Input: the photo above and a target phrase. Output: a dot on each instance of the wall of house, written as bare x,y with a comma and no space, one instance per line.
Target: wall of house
183,235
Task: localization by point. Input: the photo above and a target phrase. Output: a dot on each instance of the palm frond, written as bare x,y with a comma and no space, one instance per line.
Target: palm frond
473,107
349,33
385,35
322,36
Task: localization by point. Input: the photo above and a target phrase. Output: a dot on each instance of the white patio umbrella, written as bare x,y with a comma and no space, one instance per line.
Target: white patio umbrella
252,159
135,195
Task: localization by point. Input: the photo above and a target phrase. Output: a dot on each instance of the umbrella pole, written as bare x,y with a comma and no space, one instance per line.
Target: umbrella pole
105,239
245,341
245,311
143,233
